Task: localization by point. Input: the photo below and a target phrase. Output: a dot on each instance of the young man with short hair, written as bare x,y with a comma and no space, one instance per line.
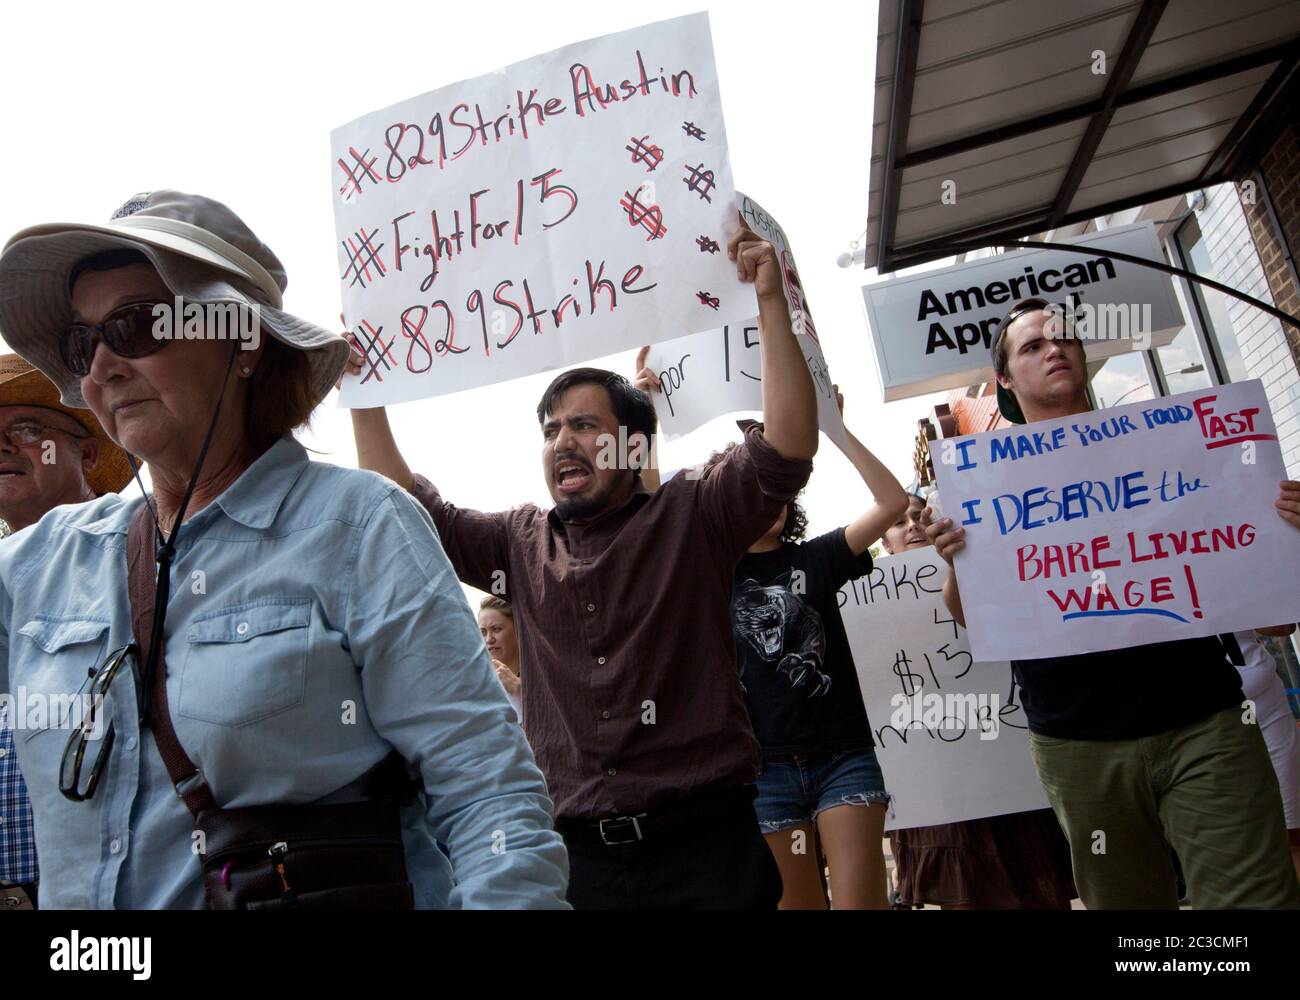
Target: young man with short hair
1142,748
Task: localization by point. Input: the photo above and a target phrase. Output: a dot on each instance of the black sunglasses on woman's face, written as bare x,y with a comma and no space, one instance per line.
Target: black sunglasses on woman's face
127,331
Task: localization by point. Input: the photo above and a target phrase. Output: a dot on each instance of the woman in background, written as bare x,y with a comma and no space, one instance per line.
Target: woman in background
496,622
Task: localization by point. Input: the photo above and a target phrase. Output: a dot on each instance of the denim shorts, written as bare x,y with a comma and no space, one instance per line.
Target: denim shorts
790,795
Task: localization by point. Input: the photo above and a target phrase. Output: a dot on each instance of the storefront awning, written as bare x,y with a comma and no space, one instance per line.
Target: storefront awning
1045,114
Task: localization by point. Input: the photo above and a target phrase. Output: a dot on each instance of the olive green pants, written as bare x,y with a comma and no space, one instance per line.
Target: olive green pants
1207,790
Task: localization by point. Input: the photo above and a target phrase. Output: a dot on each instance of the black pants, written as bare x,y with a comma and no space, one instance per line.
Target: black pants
718,863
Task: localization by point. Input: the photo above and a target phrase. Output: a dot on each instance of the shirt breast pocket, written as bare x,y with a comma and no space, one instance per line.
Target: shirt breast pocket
67,650
246,664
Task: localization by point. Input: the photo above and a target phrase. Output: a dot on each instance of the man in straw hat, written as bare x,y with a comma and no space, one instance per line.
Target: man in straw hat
49,455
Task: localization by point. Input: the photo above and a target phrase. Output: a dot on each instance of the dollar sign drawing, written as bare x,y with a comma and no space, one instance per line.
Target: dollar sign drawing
911,683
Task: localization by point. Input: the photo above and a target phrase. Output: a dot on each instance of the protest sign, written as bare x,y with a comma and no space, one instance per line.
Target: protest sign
932,331
1141,523
950,733
708,374
560,209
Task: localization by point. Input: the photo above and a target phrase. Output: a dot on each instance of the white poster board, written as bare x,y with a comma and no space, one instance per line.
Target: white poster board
1137,524
710,374
560,209
950,734
707,375
933,331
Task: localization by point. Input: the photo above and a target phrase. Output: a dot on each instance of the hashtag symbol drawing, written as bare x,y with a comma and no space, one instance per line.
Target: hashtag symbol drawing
360,170
707,245
700,181
693,131
648,217
362,256
371,344
707,299
644,151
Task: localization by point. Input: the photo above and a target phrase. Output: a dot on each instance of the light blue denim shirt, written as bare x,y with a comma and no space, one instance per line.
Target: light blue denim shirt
314,624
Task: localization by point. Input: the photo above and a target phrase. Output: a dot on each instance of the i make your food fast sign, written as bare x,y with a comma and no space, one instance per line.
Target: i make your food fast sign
933,331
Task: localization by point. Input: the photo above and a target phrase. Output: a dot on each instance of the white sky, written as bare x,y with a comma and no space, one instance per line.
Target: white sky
236,101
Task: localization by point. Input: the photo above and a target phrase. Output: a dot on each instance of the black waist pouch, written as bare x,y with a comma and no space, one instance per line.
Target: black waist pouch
318,857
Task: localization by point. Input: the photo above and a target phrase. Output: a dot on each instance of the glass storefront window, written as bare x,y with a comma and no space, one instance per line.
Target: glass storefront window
1122,379
1181,361
1214,304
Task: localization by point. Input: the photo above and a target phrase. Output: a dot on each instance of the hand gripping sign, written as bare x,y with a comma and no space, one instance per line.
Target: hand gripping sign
709,374
560,209
1137,524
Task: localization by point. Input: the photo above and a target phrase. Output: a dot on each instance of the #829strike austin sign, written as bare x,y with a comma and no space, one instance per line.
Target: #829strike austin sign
564,208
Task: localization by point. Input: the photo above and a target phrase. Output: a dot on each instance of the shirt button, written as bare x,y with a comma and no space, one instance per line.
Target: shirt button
591,607
612,771
4,753
242,628
114,845
604,715
600,660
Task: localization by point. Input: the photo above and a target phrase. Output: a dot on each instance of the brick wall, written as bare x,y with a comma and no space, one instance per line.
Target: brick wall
1280,167
1245,254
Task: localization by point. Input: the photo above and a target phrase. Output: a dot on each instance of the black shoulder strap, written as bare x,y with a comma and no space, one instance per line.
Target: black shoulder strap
142,586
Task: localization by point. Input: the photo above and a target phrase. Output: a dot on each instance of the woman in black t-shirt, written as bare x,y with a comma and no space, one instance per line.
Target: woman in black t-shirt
820,778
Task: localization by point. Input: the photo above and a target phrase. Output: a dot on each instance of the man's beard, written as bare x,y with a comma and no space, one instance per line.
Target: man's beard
582,507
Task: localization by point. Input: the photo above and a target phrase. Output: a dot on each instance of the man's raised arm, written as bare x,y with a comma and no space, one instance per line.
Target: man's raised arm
789,399
476,543
377,448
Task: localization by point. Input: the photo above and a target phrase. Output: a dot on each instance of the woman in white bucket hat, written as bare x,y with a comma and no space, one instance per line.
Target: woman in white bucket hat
308,627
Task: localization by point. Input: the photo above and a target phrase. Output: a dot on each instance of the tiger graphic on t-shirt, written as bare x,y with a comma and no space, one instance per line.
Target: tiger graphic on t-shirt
783,630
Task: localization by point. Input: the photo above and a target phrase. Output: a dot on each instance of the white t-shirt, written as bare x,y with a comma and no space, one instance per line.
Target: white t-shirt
1256,655
1261,684
517,704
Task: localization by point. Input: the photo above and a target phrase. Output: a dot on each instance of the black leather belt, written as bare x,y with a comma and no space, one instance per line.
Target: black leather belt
614,831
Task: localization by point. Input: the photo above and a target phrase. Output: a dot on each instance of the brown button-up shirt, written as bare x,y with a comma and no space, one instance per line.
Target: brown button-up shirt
631,692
